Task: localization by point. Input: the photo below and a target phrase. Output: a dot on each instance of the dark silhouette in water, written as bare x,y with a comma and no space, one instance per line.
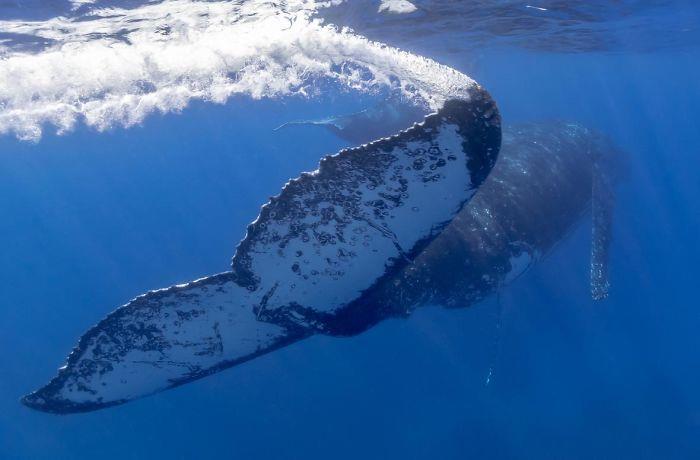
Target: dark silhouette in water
322,259
382,120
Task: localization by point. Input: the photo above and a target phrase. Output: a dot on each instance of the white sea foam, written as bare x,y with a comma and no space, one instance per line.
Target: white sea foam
397,6
114,66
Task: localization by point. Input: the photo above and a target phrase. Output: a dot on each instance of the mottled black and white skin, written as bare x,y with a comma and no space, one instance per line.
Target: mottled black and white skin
548,176
320,261
315,252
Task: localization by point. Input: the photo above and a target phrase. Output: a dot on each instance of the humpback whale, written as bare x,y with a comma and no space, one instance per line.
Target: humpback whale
310,259
428,216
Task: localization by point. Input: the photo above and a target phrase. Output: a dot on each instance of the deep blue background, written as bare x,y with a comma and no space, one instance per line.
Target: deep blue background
89,220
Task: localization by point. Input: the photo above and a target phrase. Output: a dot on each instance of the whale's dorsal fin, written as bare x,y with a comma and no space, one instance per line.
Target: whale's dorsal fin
602,204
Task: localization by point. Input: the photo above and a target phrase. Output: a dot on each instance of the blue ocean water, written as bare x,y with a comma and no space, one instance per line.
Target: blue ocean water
91,219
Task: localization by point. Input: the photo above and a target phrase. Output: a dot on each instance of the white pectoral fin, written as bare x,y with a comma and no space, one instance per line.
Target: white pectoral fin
305,265
159,340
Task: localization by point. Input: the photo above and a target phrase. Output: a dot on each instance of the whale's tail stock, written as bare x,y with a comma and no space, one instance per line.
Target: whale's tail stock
326,240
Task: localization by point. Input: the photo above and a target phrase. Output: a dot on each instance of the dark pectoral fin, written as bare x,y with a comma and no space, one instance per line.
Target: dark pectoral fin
603,201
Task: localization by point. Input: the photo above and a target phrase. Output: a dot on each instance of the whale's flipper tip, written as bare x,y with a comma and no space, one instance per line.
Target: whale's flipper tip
43,401
158,341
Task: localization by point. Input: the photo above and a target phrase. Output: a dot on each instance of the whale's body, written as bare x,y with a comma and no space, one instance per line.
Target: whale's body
320,260
547,177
